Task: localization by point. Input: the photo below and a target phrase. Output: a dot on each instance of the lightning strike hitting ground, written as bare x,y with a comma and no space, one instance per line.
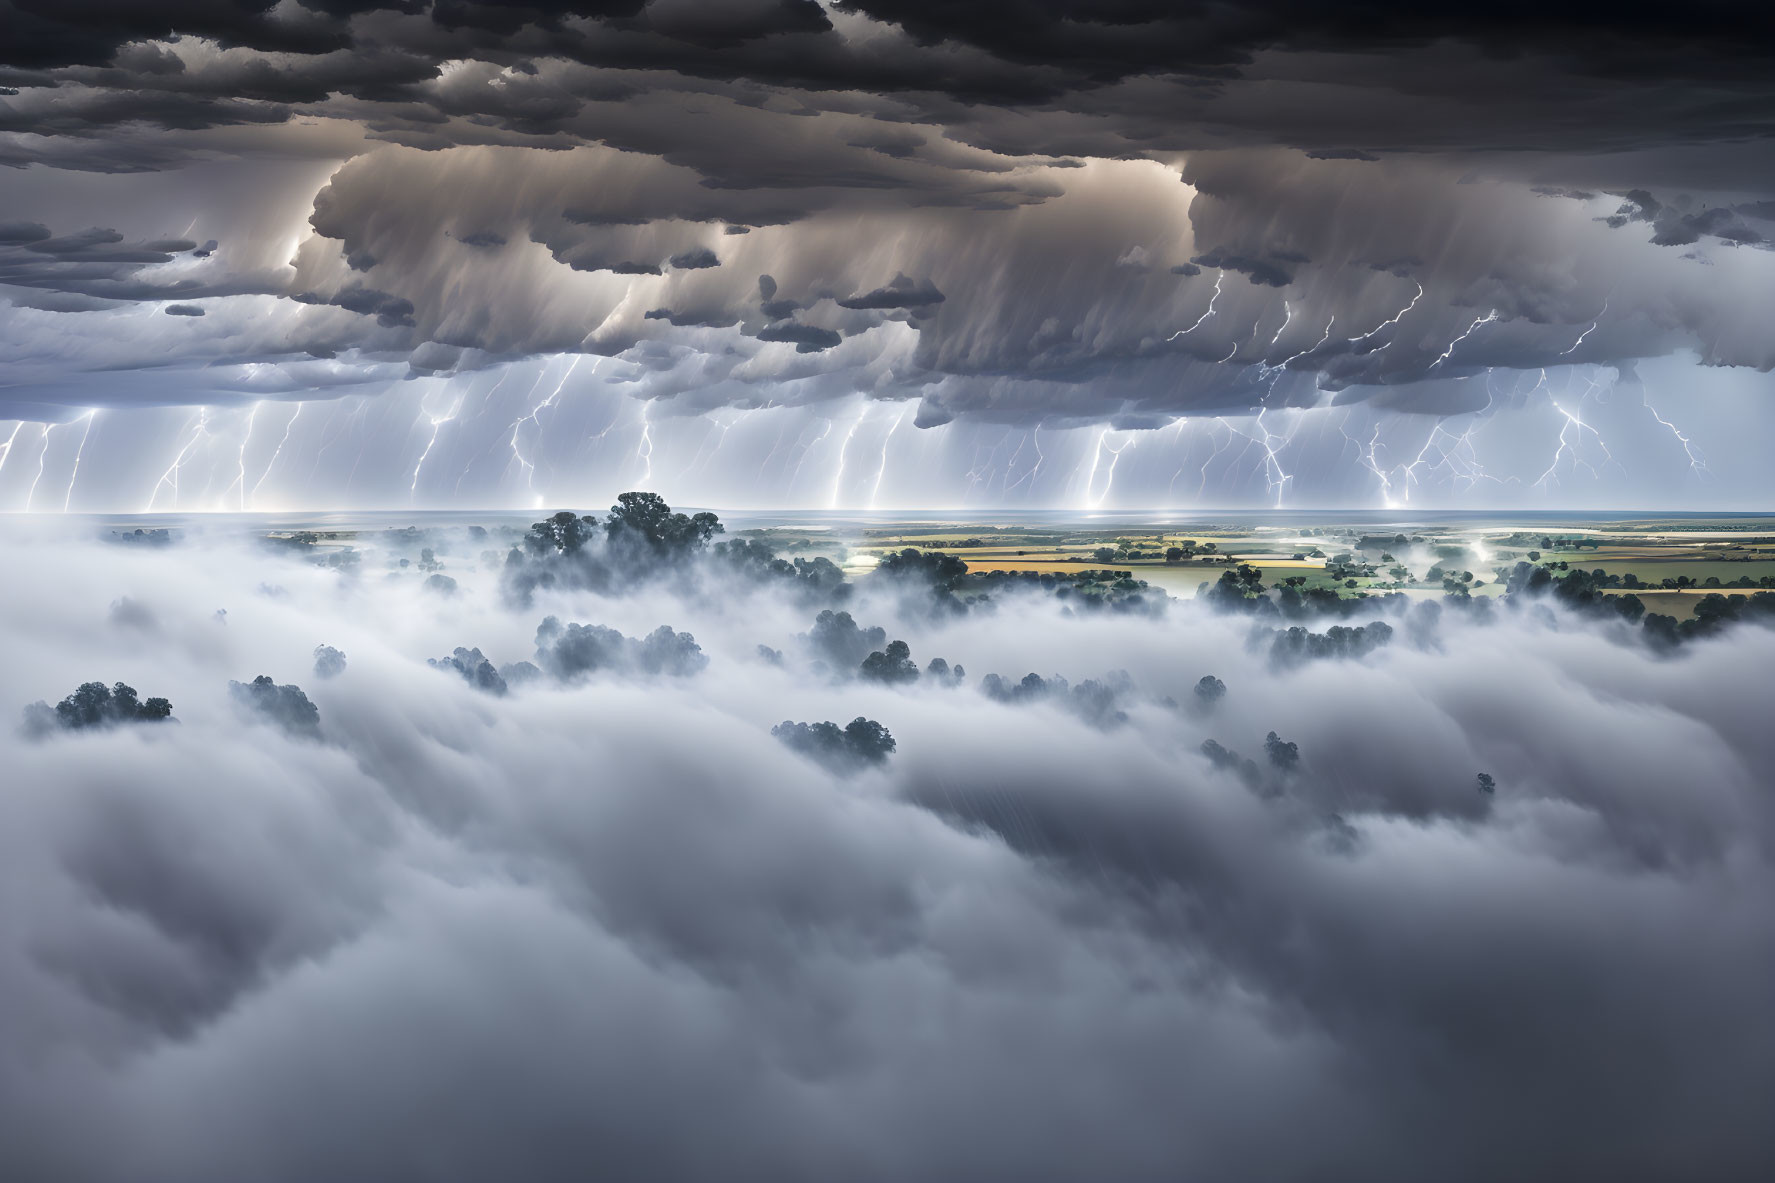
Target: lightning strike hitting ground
1276,478
881,469
838,476
6,449
528,468
74,472
1109,479
437,422
42,455
276,452
1365,453
171,475
1271,460
240,475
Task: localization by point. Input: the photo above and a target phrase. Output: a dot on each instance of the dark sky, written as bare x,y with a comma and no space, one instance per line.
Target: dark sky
1079,217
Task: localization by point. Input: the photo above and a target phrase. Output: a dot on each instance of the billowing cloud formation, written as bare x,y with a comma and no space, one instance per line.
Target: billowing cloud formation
516,934
1115,215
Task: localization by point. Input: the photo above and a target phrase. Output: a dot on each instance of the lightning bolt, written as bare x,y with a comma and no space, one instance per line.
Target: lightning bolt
838,477
1277,369
1220,446
881,469
1391,320
1455,453
1471,329
529,469
6,450
1587,332
1276,478
1366,453
42,456
697,457
456,489
1035,441
437,422
1696,464
644,445
240,476
1572,422
1201,320
1182,424
1004,484
78,452
1115,455
276,452
824,432
978,471
1096,456
1271,460
171,475
776,446
1287,318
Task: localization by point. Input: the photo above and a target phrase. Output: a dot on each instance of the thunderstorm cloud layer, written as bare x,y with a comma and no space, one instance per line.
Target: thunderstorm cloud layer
313,254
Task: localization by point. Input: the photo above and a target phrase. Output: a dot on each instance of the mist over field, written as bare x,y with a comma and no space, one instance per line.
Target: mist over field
440,914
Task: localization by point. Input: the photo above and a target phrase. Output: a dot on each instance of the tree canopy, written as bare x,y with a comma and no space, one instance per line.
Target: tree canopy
94,704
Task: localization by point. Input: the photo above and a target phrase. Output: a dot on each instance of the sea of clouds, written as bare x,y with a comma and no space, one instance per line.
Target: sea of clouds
605,924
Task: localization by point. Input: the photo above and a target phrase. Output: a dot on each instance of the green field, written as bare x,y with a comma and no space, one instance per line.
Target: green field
1325,553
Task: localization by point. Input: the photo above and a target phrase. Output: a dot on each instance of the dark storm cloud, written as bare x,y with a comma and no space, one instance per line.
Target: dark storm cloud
1013,167
101,266
389,311
900,292
90,32
1111,41
805,338
694,260
1269,272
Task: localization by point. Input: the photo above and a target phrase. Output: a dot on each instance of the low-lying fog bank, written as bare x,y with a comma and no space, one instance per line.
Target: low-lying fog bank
508,868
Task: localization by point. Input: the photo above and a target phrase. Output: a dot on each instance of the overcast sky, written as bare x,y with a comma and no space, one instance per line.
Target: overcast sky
886,253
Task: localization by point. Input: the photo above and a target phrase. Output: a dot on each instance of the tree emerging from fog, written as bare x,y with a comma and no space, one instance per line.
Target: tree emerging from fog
893,665
859,744
328,662
95,705
286,706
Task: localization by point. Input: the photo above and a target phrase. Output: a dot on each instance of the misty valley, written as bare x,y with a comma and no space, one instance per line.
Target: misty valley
993,828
